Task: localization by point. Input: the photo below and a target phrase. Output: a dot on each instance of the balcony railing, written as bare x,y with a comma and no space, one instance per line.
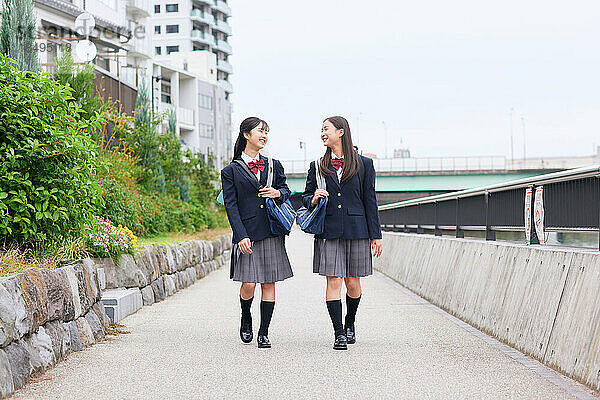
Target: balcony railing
224,66
226,86
220,5
223,27
140,8
203,37
566,201
201,16
223,46
185,116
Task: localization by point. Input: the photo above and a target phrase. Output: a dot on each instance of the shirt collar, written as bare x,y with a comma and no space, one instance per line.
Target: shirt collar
247,158
334,156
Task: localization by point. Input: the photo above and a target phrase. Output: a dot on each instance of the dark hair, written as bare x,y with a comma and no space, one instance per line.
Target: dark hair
351,165
245,127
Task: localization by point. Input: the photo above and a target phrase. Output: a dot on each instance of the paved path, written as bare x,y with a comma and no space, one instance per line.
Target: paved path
188,347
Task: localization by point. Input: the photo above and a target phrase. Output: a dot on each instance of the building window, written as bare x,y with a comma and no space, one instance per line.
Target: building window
157,9
157,29
205,131
172,29
172,49
165,98
172,7
158,50
205,101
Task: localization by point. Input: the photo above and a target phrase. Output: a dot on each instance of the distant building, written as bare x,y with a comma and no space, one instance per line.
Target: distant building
401,153
202,109
162,43
194,25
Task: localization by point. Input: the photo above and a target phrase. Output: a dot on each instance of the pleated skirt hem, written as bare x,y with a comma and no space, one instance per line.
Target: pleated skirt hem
268,262
343,258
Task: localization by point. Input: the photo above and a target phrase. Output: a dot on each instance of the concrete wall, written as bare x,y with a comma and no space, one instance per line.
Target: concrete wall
542,301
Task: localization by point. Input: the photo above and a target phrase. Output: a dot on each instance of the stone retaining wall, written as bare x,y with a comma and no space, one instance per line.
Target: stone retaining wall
541,300
47,314
159,271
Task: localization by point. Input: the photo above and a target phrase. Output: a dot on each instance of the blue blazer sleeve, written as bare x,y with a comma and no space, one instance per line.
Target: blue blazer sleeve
279,182
310,187
370,200
231,205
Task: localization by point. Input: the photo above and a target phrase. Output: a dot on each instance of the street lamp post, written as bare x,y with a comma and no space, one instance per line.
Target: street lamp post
303,146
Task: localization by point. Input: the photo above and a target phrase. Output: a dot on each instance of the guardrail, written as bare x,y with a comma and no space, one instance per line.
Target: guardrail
566,201
451,164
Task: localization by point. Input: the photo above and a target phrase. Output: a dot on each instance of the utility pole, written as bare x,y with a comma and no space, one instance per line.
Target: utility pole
386,138
524,140
512,149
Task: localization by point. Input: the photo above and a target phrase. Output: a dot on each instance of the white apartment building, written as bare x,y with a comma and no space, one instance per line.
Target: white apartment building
194,25
194,83
188,85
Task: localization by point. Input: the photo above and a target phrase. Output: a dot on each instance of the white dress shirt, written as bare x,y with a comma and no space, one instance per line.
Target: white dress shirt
340,169
247,159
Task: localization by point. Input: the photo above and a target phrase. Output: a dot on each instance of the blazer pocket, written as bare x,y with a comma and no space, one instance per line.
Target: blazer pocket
248,217
356,211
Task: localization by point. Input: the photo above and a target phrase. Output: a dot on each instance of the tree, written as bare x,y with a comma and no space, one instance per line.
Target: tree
81,80
18,34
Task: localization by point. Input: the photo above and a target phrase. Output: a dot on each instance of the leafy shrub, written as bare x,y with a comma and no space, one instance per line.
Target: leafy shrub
106,240
47,159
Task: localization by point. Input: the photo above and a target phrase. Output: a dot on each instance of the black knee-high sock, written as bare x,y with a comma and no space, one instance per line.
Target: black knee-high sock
266,312
246,315
335,313
351,307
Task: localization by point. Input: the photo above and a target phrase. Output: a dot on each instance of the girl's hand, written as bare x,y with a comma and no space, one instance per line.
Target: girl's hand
319,193
245,246
269,192
376,247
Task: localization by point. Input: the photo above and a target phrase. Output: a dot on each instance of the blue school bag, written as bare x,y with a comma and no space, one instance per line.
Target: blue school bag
311,220
281,216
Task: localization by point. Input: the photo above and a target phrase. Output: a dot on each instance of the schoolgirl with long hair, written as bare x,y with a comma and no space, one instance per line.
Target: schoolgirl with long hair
352,232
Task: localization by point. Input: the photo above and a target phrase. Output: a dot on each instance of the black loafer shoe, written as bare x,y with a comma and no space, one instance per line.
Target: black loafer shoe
340,343
246,333
350,334
263,342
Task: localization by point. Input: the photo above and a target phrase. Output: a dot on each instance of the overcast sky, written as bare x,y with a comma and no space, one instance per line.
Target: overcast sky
441,76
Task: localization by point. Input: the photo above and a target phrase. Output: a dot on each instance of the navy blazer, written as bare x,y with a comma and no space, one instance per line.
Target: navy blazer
347,215
246,211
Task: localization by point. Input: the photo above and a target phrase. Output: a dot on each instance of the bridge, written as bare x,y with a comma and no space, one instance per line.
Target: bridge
407,178
445,315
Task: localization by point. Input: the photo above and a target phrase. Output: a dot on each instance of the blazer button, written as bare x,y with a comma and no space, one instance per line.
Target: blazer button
262,206
339,206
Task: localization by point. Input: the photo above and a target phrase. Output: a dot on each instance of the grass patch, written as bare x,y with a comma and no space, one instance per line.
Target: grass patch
14,259
174,237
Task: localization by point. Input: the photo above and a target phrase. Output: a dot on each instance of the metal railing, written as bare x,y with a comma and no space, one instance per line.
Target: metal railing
566,201
451,164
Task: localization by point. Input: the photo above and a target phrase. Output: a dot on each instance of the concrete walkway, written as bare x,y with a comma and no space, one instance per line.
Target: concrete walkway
188,347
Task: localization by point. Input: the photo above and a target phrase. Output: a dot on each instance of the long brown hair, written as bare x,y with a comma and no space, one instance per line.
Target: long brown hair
351,164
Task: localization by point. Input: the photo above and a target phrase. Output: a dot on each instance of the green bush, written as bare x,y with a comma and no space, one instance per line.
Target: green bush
47,159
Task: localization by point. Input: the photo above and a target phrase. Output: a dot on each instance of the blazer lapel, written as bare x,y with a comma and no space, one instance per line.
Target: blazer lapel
334,176
246,174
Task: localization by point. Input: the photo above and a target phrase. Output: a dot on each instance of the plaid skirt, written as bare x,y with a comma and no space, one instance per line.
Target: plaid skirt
342,257
268,262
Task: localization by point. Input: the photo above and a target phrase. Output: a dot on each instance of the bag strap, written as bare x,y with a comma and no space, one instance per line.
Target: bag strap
320,178
269,172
